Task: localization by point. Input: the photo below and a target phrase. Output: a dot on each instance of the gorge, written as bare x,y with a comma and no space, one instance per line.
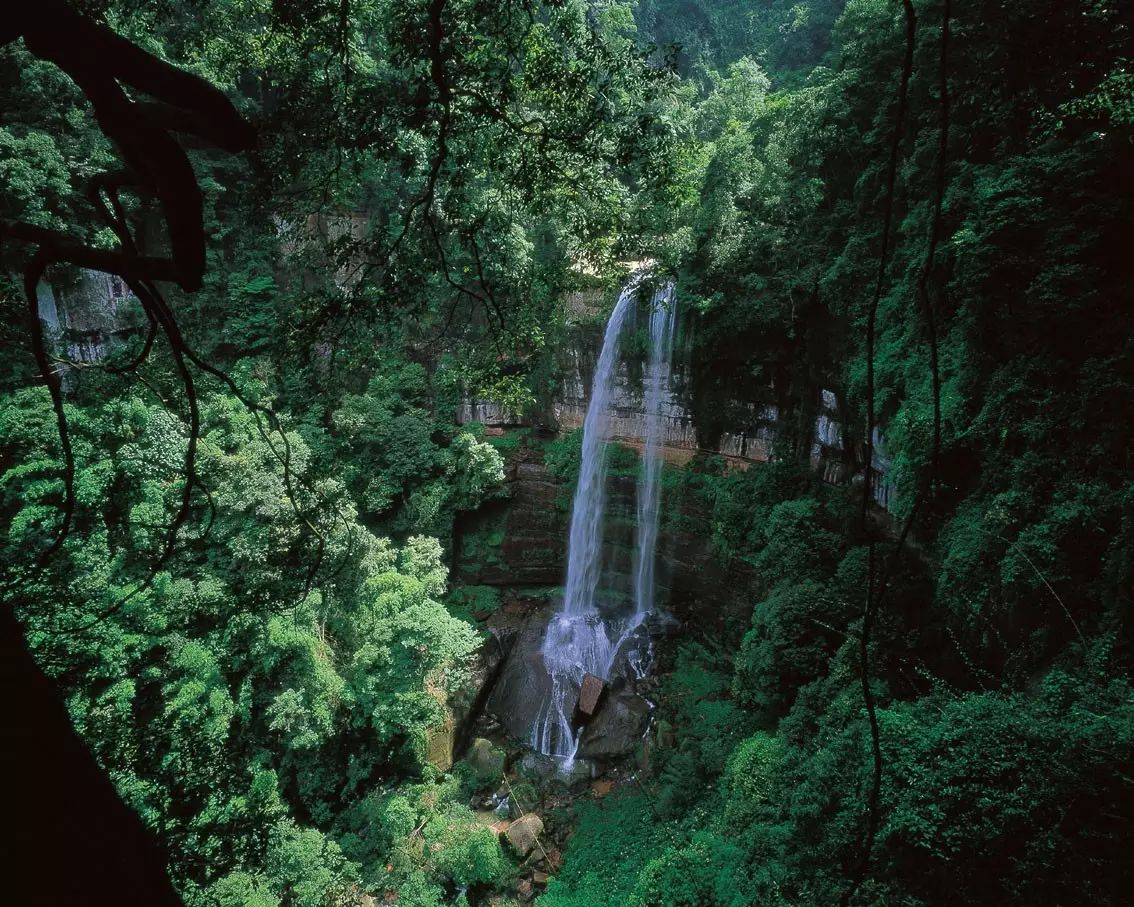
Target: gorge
583,453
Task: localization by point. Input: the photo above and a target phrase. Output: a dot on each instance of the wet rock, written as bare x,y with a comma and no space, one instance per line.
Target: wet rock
522,797
523,834
590,693
523,686
644,753
617,728
522,691
495,801
553,772
468,701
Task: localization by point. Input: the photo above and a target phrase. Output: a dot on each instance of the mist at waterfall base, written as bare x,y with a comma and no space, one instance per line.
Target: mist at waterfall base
581,639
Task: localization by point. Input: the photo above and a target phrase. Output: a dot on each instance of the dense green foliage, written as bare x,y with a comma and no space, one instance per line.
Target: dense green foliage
1001,660
264,668
239,689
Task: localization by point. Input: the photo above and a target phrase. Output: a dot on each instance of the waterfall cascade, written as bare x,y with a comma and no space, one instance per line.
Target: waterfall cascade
580,639
657,381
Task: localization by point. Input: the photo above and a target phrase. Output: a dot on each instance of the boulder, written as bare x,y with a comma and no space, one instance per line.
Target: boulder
553,774
617,728
520,696
522,797
523,834
486,758
644,753
523,687
590,693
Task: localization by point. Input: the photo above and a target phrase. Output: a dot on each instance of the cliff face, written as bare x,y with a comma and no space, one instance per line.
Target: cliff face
85,317
519,546
749,435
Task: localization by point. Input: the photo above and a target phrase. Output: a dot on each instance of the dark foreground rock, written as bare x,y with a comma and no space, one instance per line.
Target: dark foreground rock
617,728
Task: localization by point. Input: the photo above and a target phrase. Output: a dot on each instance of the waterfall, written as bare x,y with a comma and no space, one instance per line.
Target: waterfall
662,323
579,640
656,383
584,545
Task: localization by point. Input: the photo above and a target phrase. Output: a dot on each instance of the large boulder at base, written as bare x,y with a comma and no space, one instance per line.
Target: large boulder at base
554,772
523,834
617,728
523,687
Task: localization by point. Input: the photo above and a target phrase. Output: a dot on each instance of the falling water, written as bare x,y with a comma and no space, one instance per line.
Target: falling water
579,641
656,382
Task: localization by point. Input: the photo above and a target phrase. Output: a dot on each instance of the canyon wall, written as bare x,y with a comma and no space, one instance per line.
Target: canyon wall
85,316
749,439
